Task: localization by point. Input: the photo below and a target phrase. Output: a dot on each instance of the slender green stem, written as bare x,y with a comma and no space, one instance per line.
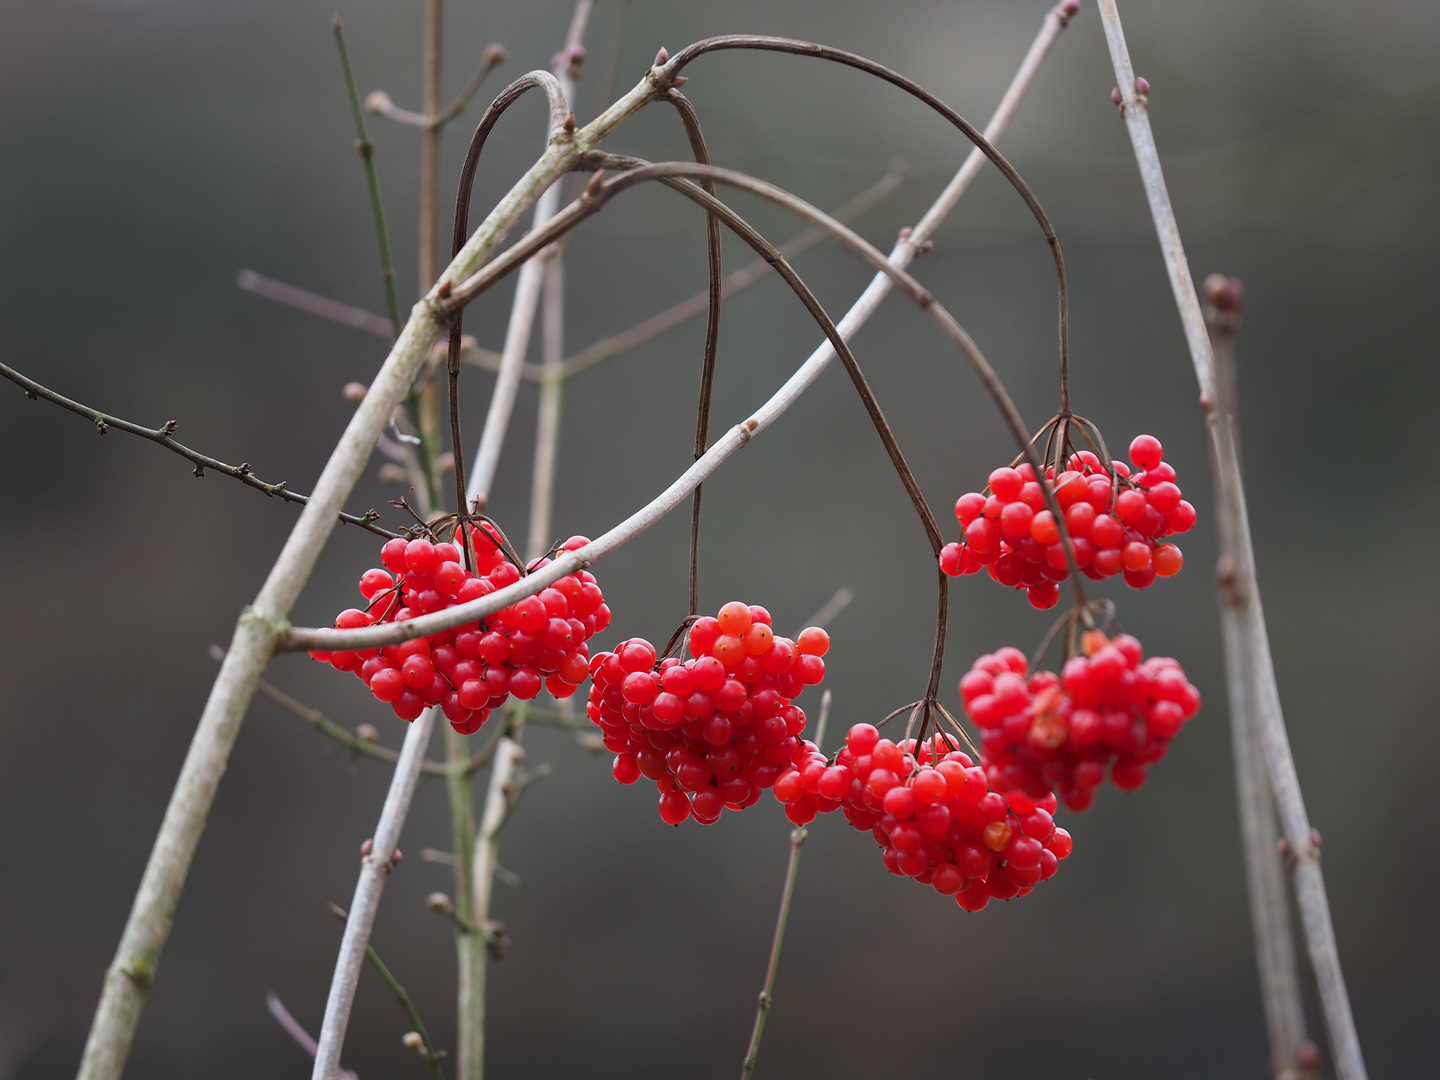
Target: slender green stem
366,148
413,399
432,1056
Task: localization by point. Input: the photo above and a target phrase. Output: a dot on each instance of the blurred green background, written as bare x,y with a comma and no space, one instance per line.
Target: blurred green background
151,148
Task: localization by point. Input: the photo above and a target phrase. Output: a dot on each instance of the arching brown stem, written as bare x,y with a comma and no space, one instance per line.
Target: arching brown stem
767,43
691,121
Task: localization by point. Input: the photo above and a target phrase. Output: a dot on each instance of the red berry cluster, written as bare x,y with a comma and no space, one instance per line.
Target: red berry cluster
1108,708
1116,525
717,729
933,813
474,668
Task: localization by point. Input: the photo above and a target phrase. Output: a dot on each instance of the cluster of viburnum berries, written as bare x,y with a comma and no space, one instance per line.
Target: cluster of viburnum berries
717,729
474,668
1116,524
1108,708
933,813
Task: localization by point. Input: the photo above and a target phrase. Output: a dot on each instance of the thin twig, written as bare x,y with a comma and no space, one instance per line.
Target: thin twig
1259,832
315,304
432,1056
162,435
296,1031
797,841
325,726
1244,596
836,604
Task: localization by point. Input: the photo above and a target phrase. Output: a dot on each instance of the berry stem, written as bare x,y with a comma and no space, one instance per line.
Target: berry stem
691,122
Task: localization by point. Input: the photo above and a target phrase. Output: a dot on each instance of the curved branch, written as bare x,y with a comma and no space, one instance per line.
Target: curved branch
668,71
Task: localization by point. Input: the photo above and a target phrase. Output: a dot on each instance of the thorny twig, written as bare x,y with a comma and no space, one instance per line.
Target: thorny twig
104,422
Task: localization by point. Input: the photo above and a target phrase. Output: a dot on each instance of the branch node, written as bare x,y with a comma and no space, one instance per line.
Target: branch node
199,470
168,428
101,427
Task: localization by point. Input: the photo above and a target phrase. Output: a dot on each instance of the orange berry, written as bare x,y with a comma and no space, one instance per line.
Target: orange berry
813,641
735,619
758,639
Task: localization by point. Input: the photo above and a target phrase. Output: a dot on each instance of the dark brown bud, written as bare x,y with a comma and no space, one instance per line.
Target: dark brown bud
569,124
595,181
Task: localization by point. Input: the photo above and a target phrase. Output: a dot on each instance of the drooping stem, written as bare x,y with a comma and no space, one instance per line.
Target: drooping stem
691,121
1259,669
1259,832
797,841
1062,14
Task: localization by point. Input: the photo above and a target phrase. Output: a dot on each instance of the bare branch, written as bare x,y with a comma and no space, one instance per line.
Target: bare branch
315,304
162,435
1259,832
1259,669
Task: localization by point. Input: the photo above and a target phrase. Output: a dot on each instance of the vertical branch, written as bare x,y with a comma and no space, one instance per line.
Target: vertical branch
1258,672
1259,832
430,145
547,421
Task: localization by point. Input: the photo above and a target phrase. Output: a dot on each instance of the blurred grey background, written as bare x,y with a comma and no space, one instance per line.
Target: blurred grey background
150,148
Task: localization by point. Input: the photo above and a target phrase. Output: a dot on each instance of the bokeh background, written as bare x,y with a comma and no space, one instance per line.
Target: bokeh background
151,148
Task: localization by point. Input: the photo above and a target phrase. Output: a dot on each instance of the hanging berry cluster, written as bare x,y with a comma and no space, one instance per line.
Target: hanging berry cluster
717,729
473,669
1108,708
933,814
1116,524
